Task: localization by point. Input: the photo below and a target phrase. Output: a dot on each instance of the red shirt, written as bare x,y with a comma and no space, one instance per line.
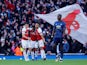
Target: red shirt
33,36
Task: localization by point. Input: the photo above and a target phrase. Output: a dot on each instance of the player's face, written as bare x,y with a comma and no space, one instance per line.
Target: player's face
26,25
36,25
59,17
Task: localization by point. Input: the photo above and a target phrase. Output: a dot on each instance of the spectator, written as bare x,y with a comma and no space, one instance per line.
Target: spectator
14,13
48,47
69,40
65,46
18,51
85,48
76,46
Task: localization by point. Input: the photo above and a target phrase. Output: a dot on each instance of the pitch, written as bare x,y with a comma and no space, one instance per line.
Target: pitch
41,62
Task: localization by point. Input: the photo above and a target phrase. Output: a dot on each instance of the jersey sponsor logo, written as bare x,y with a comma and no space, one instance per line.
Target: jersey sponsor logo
58,26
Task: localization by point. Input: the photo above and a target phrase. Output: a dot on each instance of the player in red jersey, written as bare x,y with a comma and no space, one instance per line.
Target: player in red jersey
34,44
25,41
41,40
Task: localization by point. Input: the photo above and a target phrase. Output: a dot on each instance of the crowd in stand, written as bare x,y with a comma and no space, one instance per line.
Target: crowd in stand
14,13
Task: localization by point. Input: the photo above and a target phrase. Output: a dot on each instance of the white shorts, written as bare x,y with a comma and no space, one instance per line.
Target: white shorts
40,43
26,43
34,44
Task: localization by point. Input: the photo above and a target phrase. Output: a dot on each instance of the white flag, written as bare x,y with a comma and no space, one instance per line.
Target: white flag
76,21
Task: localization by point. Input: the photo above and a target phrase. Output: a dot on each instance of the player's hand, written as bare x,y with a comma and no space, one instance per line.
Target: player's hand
44,40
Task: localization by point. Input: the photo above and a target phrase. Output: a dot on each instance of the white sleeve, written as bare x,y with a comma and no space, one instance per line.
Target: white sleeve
23,31
40,31
29,28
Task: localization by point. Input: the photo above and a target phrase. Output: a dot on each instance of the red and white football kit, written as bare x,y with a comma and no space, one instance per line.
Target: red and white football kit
39,37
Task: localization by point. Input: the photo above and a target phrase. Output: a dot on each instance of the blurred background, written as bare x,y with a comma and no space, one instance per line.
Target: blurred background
14,13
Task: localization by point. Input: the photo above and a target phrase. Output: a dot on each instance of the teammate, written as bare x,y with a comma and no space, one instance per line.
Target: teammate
41,40
34,44
58,32
25,41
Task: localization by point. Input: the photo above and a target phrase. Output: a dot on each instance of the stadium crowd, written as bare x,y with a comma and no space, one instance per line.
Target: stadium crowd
14,13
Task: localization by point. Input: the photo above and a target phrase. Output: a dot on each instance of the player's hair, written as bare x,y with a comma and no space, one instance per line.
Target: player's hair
37,23
33,28
26,23
59,15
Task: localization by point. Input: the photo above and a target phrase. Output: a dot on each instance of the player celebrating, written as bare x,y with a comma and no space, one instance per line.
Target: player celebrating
34,45
25,41
59,29
41,40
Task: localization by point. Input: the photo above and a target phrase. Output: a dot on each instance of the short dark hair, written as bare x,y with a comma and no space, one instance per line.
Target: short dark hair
26,23
59,15
37,23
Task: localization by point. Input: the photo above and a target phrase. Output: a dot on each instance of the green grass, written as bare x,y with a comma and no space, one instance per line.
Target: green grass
41,62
